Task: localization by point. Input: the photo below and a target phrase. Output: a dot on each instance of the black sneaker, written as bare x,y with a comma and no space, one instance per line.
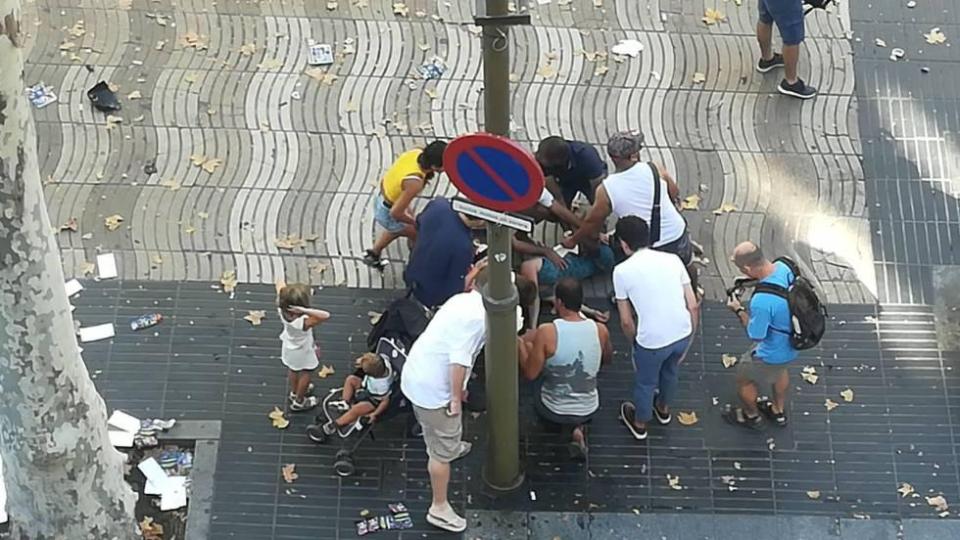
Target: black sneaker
799,89
373,260
627,414
661,418
766,66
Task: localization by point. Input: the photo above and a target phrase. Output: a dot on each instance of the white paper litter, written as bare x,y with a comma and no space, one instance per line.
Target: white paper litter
174,498
120,439
72,287
156,475
107,265
124,422
627,47
96,333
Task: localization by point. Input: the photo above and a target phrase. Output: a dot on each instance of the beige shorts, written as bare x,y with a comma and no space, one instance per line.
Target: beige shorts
762,374
441,433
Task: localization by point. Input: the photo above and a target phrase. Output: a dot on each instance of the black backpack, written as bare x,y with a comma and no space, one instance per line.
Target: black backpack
807,312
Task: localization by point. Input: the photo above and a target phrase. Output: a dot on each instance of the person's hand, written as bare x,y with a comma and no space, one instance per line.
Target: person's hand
734,304
557,259
605,238
297,309
455,408
568,242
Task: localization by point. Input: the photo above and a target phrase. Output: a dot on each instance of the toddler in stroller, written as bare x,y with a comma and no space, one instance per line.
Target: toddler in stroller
365,394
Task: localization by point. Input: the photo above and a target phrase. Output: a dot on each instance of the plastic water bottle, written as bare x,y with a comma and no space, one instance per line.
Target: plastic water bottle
146,321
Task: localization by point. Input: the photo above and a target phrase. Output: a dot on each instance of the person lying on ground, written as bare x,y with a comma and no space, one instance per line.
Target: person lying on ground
592,258
564,357
366,391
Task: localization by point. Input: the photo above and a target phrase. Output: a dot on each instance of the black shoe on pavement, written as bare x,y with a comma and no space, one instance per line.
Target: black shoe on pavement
662,419
766,66
373,260
627,414
799,89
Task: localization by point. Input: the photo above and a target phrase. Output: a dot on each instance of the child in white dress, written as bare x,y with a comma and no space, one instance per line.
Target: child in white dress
299,351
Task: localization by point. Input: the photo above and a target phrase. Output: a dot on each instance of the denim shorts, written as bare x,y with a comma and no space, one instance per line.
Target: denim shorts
788,16
381,214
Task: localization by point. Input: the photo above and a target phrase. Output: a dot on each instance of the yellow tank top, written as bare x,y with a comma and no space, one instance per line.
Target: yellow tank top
404,167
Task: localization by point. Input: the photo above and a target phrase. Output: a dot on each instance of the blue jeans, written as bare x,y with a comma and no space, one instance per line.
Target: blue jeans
655,369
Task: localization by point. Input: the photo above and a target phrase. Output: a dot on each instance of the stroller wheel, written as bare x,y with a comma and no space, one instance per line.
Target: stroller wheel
343,465
315,433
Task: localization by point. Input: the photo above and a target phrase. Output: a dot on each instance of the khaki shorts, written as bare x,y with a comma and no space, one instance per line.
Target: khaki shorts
441,433
762,374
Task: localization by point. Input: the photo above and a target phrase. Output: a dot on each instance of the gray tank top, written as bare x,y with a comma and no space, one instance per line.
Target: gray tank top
569,385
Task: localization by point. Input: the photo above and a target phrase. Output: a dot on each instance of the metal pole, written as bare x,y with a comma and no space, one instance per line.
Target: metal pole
502,469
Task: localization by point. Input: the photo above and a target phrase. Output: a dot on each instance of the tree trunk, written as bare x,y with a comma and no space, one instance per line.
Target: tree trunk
63,478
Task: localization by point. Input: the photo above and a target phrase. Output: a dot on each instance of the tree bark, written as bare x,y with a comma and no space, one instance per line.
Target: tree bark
63,478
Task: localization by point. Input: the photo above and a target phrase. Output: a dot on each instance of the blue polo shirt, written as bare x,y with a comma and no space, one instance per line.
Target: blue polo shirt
585,164
770,320
442,255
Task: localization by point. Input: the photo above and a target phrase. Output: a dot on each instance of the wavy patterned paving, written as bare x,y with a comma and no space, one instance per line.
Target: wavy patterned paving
301,155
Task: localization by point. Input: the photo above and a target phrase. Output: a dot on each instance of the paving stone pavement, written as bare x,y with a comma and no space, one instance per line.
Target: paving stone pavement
301,155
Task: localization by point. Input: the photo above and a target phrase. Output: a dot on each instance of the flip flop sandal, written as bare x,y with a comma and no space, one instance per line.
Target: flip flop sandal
442,523
736,417
766,407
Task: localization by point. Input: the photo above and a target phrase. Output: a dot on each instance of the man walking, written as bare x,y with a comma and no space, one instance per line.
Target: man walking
403,181
630,191
571,167
768,323
434,378
656,287
788,16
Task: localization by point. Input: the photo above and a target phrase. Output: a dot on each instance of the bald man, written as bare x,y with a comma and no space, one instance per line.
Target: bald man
768,323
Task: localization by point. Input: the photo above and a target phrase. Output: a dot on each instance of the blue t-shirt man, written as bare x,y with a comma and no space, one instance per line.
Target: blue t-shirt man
442,255
770,322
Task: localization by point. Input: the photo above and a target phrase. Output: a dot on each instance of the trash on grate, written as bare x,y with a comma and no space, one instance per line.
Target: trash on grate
41,95
103,98
146,321
320,54
432,69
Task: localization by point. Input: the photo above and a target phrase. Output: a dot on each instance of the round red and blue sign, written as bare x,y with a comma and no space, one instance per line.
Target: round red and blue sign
494,171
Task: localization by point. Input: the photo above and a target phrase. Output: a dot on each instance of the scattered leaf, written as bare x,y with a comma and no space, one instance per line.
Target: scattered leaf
725,208
547,71
325,371
318,267
113,222
160,45
905,490
203,215
729,360
87,268
938,502
208,164
687,418
699,77
289,473
691,202
67,46
277,418
77,30
830,404
674,482
712,16
374,316
432,94
320,75
157,259
332,6
271,64
113,120
70,225
193,40
809,374
737,466
229,280
847,395
813,494
189,229
255,316
190,78
935,37
134,95
150,530
350,107
289,242
400,9
879,42
424,46
247,49
172,184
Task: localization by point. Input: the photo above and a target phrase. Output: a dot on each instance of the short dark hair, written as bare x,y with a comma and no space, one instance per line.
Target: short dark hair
570,292
432,155
553,152
634,231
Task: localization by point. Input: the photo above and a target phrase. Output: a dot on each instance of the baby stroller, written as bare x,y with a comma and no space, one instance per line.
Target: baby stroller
391,338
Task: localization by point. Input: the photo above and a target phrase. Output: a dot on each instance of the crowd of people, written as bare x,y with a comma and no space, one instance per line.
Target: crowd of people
649,253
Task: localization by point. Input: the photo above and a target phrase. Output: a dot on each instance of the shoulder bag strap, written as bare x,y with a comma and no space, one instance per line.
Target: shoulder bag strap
655,213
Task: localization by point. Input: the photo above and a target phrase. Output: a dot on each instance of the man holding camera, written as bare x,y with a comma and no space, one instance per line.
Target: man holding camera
768,323
788,16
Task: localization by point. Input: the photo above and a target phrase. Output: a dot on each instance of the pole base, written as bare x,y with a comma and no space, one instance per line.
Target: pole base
510,486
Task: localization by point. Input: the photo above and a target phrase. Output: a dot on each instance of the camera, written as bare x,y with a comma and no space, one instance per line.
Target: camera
740,285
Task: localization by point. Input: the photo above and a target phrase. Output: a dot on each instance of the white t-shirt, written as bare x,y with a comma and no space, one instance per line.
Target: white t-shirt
455,335
631,194
654,282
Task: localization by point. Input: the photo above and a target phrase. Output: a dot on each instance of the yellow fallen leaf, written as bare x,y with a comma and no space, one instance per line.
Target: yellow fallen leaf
350,107
190,78
247,49
87,268
601,70
70,225
725,208
289,473
189,229
935,37
318,267
203,215
157,259
699,77
374,316
728,360
134,95
325,371
847,395
255,316
432,94
271,64
193,40
809,374
712,16
938,502
67,46
113,222
277,419
905,490
813,494
332,6
830,404
229,280
400,9
172,184
289,242
687,418
423,46
691,202
321,75
674,482
547,71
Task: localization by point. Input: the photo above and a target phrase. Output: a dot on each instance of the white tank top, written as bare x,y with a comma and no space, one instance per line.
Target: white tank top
631,194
